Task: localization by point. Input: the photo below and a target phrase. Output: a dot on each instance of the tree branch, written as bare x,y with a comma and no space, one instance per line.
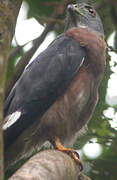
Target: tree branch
51,165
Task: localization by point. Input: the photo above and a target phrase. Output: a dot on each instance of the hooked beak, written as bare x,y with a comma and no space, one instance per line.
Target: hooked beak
76,9
73,9
75,12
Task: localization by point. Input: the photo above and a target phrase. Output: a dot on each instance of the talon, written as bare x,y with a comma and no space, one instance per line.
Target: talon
74,155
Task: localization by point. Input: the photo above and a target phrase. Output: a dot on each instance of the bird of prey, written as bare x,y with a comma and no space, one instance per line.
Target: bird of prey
57,93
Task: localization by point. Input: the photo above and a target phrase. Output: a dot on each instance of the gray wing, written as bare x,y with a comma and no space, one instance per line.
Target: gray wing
42,82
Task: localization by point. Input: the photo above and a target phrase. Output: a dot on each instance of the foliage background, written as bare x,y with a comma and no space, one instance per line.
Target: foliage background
51,14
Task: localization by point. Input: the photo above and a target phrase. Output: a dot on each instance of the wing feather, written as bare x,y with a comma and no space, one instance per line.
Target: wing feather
42,82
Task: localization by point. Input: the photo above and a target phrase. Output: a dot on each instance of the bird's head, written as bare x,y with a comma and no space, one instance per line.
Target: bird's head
83,15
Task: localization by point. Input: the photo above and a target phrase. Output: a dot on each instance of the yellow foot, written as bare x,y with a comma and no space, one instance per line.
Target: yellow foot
69,151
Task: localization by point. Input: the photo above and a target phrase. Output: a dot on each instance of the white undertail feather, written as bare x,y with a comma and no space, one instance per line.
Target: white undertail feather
11,119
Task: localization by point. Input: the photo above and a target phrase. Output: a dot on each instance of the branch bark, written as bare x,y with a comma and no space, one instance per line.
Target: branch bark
51,165
8,13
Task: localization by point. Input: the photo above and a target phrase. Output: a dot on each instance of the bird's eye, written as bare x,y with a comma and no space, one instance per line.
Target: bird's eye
91,10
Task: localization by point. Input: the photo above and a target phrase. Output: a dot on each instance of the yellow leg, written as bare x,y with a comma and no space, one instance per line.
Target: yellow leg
58,145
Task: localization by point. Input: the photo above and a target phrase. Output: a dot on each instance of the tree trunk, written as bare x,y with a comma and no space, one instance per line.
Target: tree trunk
8,14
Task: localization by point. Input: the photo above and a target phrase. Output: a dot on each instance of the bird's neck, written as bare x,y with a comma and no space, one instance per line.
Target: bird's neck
95,48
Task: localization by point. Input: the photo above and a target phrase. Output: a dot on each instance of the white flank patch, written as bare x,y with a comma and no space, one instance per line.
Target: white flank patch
11,119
